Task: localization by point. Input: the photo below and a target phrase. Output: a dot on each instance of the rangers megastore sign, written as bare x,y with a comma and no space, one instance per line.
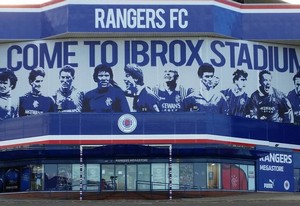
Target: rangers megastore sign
275,172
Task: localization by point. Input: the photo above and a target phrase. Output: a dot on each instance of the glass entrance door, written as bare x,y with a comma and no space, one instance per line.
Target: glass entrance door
113,177
131,177
120,175
108,180
125,177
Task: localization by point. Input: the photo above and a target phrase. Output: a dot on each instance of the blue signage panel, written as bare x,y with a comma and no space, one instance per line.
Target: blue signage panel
25,179
218,18
275,172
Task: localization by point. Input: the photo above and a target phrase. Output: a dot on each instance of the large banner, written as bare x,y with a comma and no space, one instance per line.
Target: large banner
275,172
231,77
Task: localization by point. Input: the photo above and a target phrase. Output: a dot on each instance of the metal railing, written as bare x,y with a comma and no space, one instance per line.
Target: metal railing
164,186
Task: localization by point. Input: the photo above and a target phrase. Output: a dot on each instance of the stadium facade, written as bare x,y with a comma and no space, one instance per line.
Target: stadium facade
191,141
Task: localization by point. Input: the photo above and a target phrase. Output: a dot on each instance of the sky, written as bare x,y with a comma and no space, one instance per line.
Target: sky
293,1
16,2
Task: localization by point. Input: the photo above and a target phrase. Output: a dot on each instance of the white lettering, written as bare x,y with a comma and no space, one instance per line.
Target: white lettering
161,23
277,158
176,15
268,185
99,18
141,18
121,19
271,168
110,21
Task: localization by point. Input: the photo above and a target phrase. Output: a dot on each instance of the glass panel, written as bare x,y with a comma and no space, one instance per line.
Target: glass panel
175,176
144,177
120,177
50,176
186,175
158,176
25,179
297,179
213,171
107,172
131,177
37,177
76,177
64,181
200,174
243,184
11,180
226,179
234,177
93,177
251,177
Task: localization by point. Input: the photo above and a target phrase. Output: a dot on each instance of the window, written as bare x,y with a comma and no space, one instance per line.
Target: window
186,175
158,176
143,177
37,177
213,178
50,176
64,181
93,177
200,175
238,177
76,177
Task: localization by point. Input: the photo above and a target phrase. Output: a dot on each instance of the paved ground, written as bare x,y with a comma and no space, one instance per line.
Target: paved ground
248,199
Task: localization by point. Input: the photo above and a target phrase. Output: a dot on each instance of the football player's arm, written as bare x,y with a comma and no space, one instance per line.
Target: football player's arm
15,108
15,112
252,108
80,102
246,112
21,108
187,105
156,108
85,104
124,104
224,105
57,107
155,90
53,107
155,103
289,114
154,99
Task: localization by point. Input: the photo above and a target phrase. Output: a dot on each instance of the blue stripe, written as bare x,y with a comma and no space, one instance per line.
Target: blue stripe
201,18
149,124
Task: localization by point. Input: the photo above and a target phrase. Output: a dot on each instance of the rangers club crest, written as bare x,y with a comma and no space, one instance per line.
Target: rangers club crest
127,123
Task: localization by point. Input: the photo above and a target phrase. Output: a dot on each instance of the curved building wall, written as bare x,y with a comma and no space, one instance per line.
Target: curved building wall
204,77
235,65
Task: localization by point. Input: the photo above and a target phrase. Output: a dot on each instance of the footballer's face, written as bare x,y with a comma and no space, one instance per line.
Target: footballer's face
103,79
170,75
37,84
66,80
297,85
266,83
5,86
130,83
241,83
207,79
